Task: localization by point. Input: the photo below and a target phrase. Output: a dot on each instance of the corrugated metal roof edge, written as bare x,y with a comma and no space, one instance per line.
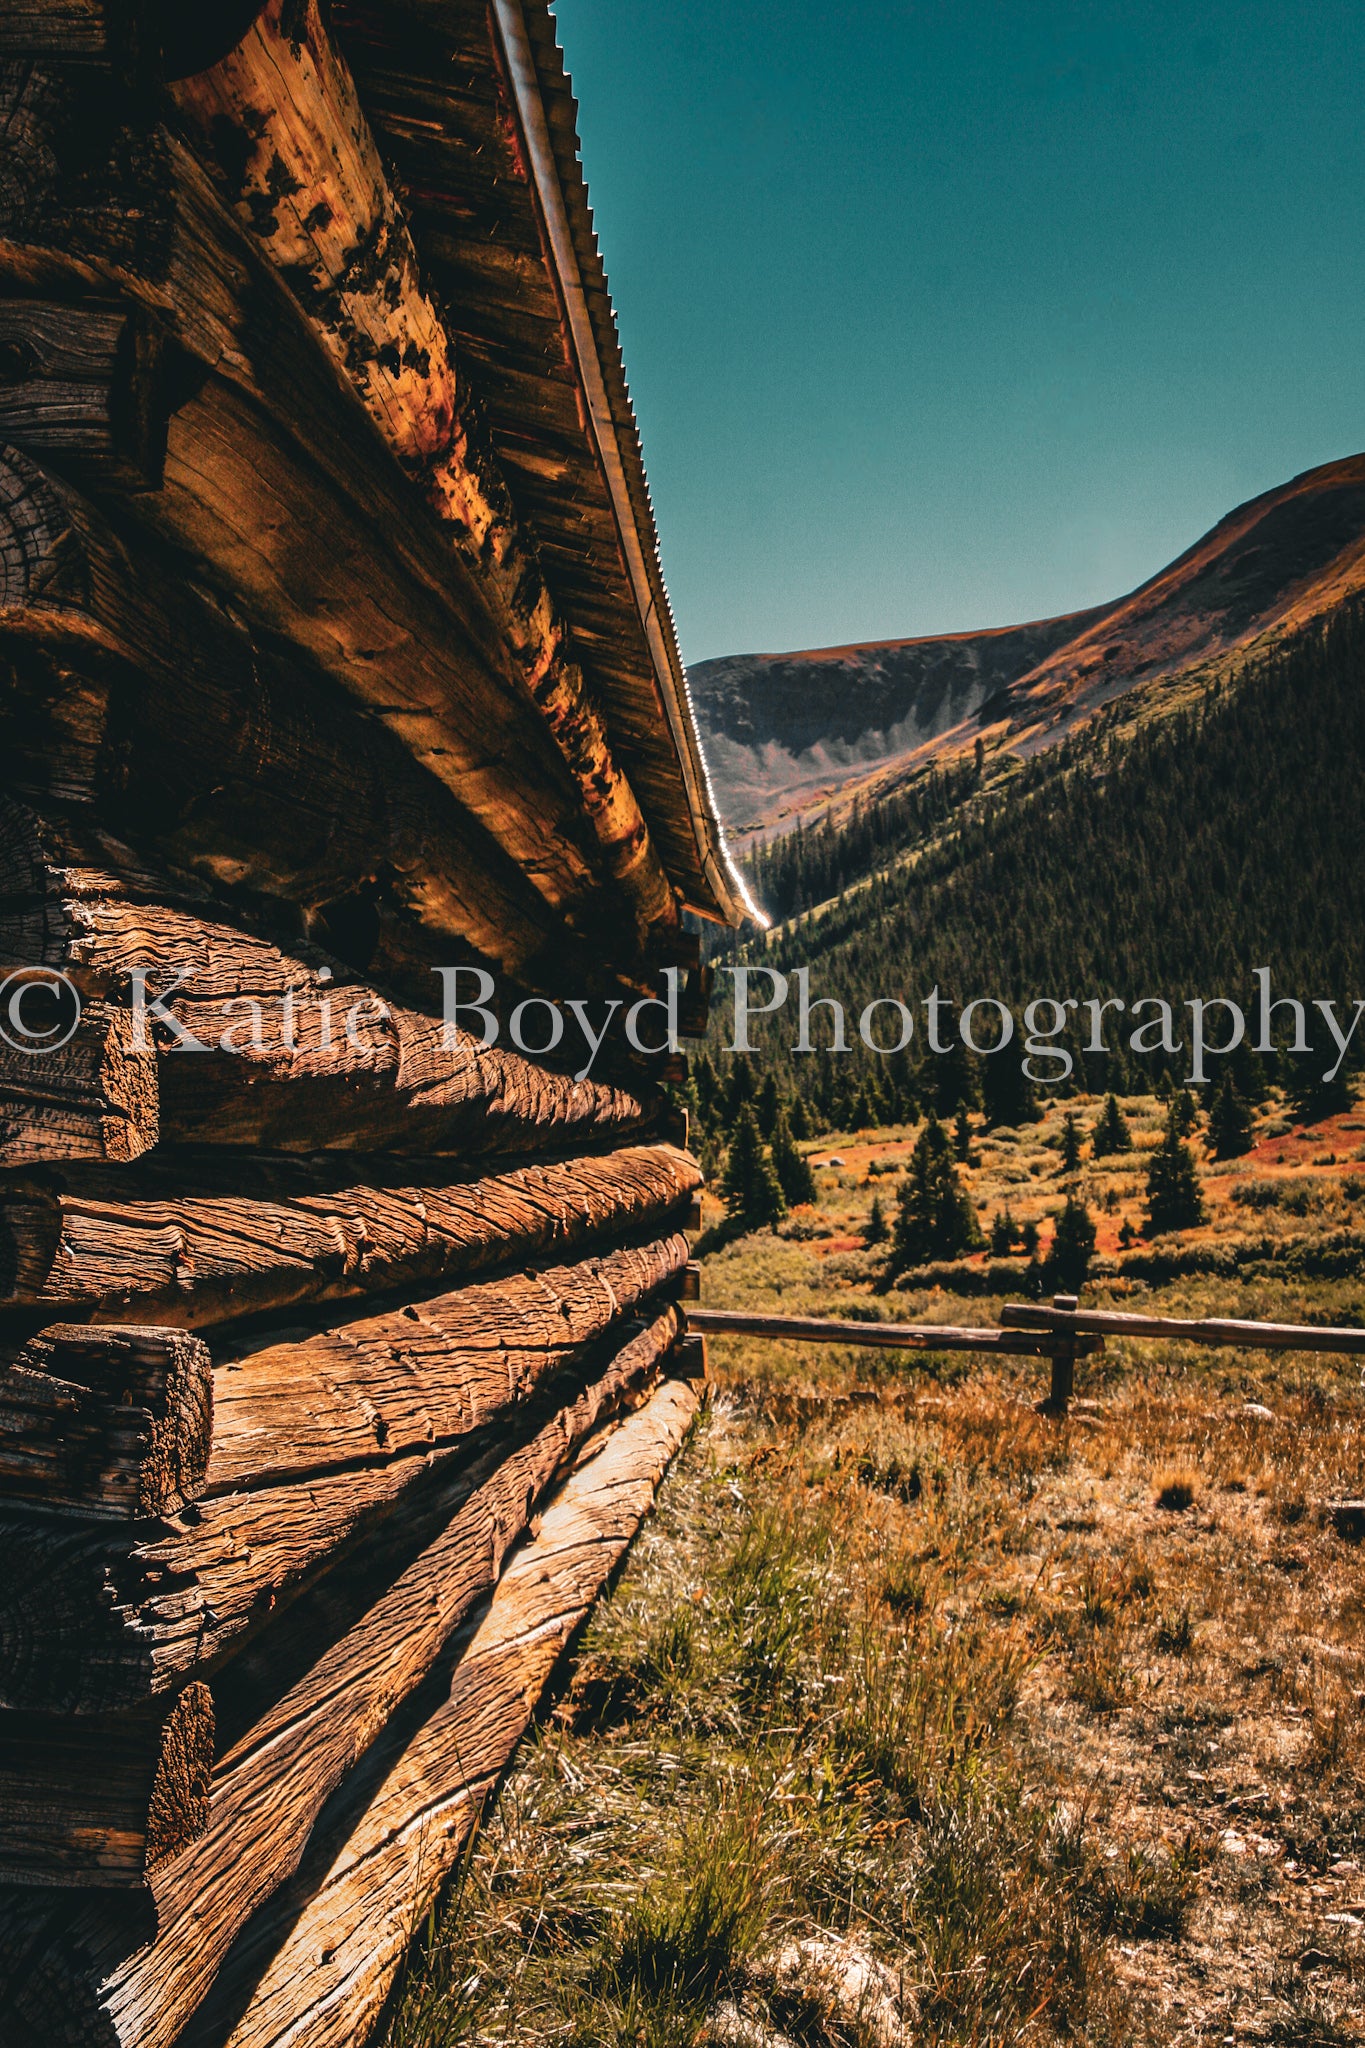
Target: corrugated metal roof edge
534,65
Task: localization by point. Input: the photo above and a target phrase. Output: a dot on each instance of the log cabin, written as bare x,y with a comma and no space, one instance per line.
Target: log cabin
342,1348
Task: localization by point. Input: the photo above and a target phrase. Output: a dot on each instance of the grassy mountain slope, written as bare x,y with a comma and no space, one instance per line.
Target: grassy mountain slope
786,734
1170,855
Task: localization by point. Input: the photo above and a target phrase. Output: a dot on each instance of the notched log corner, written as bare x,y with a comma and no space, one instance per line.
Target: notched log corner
114,1422
102,1802
84,387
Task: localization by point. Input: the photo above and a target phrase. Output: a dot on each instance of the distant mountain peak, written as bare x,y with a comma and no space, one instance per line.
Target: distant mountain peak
785,733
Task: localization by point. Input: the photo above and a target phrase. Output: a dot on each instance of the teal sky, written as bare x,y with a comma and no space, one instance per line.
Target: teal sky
940,316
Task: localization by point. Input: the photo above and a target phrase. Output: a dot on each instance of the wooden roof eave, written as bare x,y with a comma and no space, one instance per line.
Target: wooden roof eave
536,76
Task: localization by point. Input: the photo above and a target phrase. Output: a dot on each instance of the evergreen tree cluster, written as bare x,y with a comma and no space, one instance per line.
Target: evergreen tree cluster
1171,859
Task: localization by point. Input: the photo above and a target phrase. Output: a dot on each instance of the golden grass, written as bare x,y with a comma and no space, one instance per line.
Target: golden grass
1061,1724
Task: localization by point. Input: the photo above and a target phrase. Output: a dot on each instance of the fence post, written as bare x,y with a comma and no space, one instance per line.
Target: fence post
1063,1359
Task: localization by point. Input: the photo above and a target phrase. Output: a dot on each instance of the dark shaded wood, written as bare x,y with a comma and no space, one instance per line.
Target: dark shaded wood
95,1980
102,1801
234,759
315,1443
107,1422
199,1240
1023,1315
96,1097
81,385
316,1964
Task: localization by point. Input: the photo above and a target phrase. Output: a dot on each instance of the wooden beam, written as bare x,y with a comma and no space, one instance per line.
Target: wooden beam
86,1978
203,1241
275,481
101,1802
108,1422
236,759
303,1053
879,1336
316,1965
315,1443
281,117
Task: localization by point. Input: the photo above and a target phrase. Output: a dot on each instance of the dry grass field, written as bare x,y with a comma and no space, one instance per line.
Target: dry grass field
917,1717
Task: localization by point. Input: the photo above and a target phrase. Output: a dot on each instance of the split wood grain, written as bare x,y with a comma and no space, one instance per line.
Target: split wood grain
113,1423
316,1966
81,384
87,1978
281,117
101,1802
315,1442
190,1243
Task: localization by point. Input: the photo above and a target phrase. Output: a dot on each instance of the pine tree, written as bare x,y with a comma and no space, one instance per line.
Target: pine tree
739,1087
1247,1068
1007,1092
1071,1143
962,1135
1310,1095
707,1085
1111,1134
862,1114
954,1079
768,1106
800,1118
1028,1239
934,1217
1230,1130
876,1230
752,1191
1072,1248
794,1176
1004,1230
1174,1201
1185,1112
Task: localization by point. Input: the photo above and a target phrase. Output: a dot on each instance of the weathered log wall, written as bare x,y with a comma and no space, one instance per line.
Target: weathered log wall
340,1352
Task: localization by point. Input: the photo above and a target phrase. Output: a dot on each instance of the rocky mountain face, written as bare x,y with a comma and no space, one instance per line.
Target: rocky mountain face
786,733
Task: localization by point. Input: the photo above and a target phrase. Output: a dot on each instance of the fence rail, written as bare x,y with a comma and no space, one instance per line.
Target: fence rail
1062,1333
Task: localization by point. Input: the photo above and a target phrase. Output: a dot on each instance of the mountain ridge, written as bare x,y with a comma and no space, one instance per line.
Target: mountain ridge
788,735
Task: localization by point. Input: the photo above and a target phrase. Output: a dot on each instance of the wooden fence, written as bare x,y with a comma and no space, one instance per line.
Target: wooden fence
1062,1333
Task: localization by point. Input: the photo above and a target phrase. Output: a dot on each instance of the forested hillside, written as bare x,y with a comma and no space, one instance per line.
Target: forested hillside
1169,860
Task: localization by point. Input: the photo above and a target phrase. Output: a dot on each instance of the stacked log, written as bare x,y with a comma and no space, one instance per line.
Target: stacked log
340,1350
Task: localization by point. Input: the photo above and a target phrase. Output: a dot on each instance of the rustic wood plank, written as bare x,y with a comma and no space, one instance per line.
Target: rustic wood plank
95,1097
884,1336
275,479
94,1979
315,1443
281,116
198,1240
317,1963
101,1801
107,1422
